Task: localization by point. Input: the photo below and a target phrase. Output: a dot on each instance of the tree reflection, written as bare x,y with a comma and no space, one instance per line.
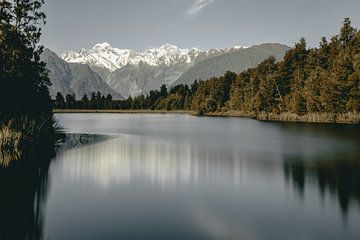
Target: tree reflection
23,187
340,178
24,184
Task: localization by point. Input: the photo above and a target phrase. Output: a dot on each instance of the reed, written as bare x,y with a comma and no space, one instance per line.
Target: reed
350,117
24,134
10,142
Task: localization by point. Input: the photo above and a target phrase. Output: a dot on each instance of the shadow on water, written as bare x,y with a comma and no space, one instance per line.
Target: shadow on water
24,187
336,173
339,178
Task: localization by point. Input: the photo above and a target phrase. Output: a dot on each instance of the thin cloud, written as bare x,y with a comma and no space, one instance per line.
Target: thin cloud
198,5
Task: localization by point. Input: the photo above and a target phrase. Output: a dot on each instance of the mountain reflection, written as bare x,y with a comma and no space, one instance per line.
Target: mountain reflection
126,158
339,178
111,161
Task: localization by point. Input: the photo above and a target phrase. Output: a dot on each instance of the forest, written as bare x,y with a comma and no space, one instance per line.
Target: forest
322,81
26,119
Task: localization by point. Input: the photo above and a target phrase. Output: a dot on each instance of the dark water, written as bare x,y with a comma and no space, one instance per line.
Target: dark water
182,177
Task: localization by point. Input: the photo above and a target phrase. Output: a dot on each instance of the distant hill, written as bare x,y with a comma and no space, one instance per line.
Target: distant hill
235,61
74,78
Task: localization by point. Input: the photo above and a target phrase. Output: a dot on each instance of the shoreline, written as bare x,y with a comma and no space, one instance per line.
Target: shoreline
60,111
345,118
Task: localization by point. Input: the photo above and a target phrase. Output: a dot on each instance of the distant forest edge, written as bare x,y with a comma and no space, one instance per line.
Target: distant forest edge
310,84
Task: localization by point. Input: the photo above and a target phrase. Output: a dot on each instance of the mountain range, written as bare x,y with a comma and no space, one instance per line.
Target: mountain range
125,72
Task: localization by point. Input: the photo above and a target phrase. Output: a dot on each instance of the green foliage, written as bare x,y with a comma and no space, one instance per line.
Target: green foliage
21,70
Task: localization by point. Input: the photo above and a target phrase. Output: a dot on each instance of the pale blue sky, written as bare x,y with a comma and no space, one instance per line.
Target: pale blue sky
140,24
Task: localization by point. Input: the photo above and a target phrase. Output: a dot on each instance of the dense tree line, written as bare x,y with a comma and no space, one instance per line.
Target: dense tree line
308,80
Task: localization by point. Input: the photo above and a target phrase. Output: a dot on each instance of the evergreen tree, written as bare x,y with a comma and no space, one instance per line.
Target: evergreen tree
70,101
59,101
85,98
163,90
84,102
22,72
347,32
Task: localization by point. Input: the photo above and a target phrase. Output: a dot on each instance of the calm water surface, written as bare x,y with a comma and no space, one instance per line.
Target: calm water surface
180,177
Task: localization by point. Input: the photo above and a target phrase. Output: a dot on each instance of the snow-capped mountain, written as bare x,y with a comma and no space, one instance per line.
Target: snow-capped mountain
105,56
132,73
74,78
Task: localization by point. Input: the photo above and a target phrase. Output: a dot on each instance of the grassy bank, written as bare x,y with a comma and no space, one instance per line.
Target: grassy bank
345,118
26,135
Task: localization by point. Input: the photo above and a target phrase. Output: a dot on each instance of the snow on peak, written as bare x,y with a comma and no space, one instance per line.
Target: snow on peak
105,56
168,46
102,45
240,47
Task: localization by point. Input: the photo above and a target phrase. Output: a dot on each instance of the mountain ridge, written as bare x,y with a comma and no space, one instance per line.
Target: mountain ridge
130,73
111,58
74,78
236,61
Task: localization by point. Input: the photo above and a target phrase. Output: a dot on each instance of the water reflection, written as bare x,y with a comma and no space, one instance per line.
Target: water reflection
167,164
125,159
198,185
340,178
23,187
24,181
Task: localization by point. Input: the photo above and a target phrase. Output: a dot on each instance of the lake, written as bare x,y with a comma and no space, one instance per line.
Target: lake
148,176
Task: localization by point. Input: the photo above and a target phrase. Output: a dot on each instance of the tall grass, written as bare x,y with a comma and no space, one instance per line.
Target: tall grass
26,134
350,117
10,142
